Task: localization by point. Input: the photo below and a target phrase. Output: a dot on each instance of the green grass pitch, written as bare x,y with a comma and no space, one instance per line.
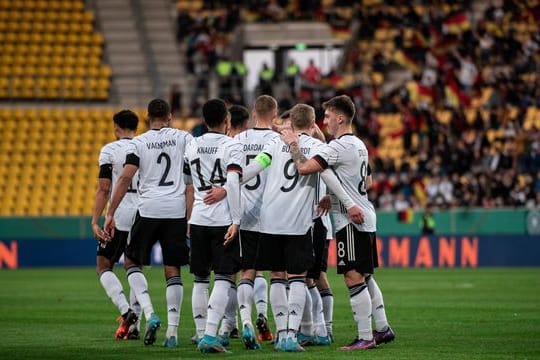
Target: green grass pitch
435,313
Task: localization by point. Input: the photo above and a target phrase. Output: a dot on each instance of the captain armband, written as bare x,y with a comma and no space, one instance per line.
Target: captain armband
263,159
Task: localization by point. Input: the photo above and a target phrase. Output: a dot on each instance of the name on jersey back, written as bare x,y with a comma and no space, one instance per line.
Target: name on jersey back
208,150
287,149
161,144
253,147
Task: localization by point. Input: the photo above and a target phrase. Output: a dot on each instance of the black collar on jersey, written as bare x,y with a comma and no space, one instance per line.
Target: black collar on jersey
257,128
126,138
214,132
303,133
346,134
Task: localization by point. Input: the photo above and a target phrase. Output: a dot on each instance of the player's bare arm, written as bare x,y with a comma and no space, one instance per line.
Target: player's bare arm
303,165
102,196
119,192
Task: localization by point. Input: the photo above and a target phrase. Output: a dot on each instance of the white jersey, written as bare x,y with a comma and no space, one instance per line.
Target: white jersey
320,192
209,157
114,154
253,141
348,157
161,182
287,207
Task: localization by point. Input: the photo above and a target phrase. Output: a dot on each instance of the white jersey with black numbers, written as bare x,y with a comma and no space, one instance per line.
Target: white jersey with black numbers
209,157
287,207
253,141
161,182
348,157
114,154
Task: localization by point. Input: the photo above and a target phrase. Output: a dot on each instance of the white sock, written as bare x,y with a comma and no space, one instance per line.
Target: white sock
328,308
307,316
260,295
199,304
245,299
279,305
377,305
229,319
297,300
138,283
217,304
114,290
136,307
318,315
361,308
174,294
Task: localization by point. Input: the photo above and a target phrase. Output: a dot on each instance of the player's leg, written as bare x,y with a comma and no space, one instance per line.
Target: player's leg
305,333
247,249
134,330
383,332
175,254
300,258
107,255
319,335
327,299
137,254
229,322
354,261
200,267
224,266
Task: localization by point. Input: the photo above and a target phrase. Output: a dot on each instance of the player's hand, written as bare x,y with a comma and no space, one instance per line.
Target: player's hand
232,231
356,215
188,231
215,195
99,234
108,227
324,206
289,136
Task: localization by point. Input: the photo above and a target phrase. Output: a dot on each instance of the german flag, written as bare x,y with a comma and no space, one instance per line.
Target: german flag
446,44
425,94
405,60
420,40
456,23
406,216
451,92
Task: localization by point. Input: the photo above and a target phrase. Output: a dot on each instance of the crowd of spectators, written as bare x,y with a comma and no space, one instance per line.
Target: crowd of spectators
480,72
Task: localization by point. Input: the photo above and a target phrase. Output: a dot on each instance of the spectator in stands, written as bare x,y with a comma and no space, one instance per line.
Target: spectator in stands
312,73
266,78
291,74
427,222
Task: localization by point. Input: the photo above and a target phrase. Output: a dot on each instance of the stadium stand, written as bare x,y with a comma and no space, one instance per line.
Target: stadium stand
442,143
50,50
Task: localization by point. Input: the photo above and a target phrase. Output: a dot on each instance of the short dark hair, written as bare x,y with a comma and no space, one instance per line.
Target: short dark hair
158,108
341,104
214,112
126,119
239,116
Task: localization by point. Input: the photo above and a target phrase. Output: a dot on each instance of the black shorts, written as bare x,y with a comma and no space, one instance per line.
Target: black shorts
248,243
171,234
291,253
114,249
208,252
356,250
319,244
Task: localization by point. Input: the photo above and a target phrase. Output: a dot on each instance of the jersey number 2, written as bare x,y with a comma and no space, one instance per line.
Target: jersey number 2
163,181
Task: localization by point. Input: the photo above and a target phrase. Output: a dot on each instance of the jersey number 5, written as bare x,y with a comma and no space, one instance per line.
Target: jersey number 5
257,179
